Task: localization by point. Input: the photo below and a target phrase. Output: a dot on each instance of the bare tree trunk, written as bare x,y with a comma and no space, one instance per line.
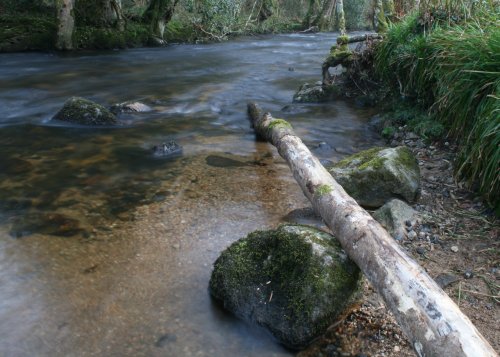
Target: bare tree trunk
116,5
341,16
389,9
324,19
158,14
380,23
434,325
66,25
311,11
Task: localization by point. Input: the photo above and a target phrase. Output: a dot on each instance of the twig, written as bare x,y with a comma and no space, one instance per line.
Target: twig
459,293
482,294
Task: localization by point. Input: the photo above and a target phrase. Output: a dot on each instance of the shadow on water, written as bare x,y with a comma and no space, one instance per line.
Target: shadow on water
105,248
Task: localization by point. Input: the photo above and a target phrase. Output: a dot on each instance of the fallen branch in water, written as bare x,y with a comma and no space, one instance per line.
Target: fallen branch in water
433,323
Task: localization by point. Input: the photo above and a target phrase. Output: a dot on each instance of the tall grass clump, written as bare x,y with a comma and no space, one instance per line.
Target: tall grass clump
452,68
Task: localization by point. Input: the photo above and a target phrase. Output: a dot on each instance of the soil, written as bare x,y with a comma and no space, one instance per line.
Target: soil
456,241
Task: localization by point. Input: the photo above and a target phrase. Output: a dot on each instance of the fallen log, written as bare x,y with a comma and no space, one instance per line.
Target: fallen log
432,322
359,38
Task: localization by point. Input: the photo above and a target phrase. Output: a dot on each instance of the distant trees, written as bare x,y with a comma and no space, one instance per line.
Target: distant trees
326,15
157,15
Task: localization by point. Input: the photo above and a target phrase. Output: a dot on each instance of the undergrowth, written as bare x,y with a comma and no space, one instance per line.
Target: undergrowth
451,69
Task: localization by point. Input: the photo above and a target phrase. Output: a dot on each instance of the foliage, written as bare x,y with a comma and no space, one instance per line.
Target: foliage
218,18
24,31
450,65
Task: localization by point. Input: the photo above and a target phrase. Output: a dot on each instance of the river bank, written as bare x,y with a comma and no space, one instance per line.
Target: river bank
457,243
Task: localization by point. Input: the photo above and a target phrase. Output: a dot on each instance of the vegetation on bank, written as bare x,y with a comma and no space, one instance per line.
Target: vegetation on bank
106,24
445,64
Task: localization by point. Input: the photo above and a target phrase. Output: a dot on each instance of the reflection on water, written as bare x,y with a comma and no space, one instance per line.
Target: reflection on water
105,248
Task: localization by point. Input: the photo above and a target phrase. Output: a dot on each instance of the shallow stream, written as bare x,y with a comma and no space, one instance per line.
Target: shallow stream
106,249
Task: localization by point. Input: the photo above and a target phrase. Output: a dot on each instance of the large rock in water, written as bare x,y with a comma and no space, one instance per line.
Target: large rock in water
375,176
85,112
294,281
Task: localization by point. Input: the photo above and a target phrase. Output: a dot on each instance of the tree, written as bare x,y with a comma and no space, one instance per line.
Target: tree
66,25
158,14
341,17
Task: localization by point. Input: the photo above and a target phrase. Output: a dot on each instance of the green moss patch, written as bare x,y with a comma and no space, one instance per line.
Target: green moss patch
323,190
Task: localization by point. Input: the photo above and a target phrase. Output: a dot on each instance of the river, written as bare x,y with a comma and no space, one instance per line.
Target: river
107,250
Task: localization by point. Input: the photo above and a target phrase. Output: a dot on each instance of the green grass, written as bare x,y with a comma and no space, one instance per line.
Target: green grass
452,70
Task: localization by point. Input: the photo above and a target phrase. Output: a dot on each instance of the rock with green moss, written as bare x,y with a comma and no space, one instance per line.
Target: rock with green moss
310,93
294,281
85,112
375,176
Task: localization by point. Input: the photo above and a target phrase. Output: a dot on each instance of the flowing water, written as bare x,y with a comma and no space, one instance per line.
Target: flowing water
106,249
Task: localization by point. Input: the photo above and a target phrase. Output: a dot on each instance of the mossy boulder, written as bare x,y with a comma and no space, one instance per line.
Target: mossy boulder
375,176
85,112
310,93
317,93
294,281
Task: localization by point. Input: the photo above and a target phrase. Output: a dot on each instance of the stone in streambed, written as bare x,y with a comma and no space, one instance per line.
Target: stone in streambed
375,176
82,111
170,148
294,281
45,223
394,216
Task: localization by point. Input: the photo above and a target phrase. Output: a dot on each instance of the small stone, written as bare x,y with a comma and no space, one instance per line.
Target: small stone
398,236
435,239
454,249
443,280
397,348
408,223
469,274
421,235
176,246
421,250
412,235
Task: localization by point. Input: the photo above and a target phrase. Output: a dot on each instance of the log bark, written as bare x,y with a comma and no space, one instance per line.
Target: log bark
432,322
361,38
66,24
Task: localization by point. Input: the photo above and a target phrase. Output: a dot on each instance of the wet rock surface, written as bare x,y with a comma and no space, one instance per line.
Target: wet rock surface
167,149
310,93
375,176
130,107
294,281
82,111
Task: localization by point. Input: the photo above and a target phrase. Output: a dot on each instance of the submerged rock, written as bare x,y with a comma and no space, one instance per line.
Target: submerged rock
224,162
85,112
395,216
170,148
375,176
294,281
45,223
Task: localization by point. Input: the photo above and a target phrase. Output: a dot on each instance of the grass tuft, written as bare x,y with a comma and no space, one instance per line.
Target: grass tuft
452,69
